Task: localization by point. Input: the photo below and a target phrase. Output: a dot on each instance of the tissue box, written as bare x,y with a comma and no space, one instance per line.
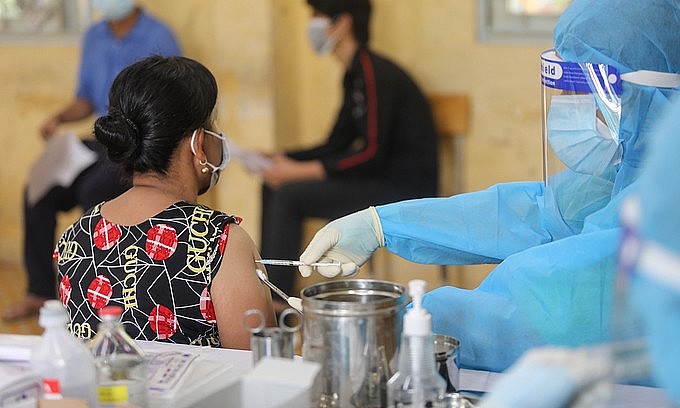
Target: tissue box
279,383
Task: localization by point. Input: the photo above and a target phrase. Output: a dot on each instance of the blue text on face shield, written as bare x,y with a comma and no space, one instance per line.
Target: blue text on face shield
577,77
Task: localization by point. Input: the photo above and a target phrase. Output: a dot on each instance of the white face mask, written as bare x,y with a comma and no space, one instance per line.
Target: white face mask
317,29
215,175
114,10
577,136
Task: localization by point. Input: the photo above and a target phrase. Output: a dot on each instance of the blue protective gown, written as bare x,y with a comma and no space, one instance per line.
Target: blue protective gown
543,292
556,246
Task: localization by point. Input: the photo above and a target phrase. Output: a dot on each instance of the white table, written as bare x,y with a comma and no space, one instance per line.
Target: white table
473,380
234,364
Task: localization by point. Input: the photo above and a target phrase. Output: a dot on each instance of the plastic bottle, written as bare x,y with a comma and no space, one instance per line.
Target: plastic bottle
63,362
417,382
119,361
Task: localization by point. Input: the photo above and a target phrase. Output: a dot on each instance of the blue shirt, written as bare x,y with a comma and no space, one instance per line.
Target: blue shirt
104,55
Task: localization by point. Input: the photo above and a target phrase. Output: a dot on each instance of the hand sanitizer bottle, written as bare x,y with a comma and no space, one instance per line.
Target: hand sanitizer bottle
416,383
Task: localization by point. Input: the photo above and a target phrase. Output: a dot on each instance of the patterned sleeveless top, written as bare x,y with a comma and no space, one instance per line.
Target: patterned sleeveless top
159,271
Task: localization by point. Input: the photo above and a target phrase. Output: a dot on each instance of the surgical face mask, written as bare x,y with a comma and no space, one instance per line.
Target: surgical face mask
114,10
578,138
215,175
317,30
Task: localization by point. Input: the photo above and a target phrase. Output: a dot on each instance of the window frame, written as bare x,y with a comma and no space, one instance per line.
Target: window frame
74,18
496,25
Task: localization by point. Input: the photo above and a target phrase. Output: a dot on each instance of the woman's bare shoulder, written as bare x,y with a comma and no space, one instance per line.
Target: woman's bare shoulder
236,288
238,240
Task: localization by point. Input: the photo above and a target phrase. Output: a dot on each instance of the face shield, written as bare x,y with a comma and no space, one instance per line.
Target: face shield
581,116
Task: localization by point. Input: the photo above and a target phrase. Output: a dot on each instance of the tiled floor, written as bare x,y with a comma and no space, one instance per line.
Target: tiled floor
12,287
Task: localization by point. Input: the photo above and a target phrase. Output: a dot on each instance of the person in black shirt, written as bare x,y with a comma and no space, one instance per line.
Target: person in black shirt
382,148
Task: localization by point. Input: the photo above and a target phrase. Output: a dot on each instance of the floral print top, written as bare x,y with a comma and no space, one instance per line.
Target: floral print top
158,271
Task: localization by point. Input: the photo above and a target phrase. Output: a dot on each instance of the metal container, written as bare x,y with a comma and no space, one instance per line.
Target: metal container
459,400
271,341
352,328
446,356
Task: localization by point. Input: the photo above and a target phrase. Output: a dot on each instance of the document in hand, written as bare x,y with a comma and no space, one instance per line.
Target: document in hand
64,158
253,161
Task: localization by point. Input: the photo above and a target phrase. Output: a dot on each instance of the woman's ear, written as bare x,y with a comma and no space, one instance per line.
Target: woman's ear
200,159
196,144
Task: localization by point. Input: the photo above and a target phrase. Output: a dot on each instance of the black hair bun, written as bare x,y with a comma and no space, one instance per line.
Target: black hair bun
119,135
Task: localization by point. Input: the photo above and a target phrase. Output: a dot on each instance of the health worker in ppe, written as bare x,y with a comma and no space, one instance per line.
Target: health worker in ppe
555,240
648,288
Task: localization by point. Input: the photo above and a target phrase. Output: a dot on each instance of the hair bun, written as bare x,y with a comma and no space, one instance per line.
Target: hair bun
120,135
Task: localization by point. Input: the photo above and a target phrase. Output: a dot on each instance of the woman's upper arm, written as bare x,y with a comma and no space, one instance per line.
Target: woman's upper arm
236,289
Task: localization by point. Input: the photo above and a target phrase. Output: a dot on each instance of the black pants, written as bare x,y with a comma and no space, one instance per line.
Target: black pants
284,210
99,182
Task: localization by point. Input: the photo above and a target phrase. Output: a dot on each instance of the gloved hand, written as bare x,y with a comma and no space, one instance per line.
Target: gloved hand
349,240
551,377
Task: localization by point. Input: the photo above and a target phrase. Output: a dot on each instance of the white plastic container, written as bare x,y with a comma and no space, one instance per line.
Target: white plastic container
64,364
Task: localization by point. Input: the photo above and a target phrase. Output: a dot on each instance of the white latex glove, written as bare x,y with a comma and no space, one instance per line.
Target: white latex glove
349,240
551,377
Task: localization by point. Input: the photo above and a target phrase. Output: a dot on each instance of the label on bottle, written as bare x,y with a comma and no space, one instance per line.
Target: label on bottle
112,394
51,389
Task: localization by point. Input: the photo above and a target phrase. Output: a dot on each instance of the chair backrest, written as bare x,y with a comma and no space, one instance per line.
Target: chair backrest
452,117
451,114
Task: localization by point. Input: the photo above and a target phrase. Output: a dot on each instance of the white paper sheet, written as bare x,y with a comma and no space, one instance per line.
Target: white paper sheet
64,158
16,348
253,161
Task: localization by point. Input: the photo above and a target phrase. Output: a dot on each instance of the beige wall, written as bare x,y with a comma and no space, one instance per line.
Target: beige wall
275,93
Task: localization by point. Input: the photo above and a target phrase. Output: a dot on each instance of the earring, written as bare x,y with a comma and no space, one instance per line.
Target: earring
203,163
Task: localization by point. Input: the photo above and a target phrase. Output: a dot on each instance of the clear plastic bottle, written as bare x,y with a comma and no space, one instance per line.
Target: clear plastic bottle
119,361
63,362
417,382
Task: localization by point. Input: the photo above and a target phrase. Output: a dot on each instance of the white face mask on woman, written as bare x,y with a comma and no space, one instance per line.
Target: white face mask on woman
317,30
114,10
215,175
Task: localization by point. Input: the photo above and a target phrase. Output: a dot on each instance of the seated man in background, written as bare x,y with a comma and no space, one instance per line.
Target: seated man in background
125,35
382,148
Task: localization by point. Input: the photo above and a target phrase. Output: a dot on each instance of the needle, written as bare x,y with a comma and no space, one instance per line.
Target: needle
285,262
294,302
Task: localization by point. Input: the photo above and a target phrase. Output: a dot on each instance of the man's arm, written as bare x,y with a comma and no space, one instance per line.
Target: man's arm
78,109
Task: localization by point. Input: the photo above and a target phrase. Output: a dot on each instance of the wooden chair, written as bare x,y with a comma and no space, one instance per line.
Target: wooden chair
452,114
